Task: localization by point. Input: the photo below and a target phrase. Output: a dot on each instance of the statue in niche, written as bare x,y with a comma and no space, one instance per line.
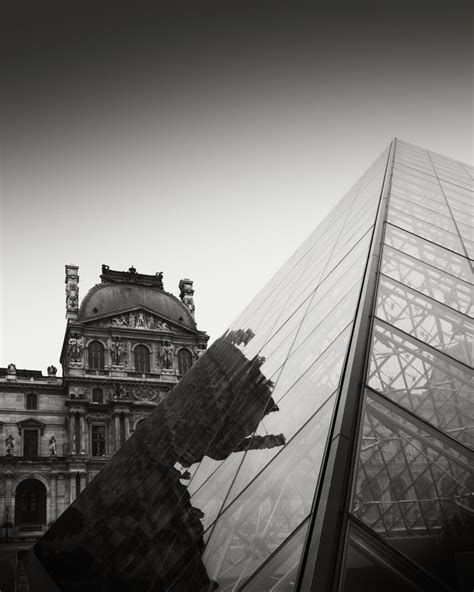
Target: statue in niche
52,370
116,352
11,369
10,445
52,446
140,323
167,356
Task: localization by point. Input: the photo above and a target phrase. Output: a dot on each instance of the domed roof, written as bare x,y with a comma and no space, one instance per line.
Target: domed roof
110,298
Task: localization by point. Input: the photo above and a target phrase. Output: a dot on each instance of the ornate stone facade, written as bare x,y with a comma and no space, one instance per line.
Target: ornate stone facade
125,346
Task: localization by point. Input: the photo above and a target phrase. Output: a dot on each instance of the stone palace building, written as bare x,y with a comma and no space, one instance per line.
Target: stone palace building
126,344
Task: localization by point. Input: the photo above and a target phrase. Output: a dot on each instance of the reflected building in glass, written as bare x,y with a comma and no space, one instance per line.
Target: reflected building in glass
325,441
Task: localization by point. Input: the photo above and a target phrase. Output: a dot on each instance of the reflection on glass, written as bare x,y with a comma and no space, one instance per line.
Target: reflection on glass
141,500
423,503
269,509
280,571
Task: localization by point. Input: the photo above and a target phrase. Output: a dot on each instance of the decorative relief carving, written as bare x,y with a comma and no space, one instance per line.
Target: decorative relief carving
145,392
136,320
72,290
76,392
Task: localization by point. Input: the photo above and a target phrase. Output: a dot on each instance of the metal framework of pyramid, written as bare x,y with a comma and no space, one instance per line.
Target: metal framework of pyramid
325,441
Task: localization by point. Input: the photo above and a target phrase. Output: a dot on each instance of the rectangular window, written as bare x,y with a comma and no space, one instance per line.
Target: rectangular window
98,440
30,443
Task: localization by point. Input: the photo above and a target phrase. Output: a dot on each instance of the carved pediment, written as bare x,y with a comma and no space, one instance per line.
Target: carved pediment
31,423
138,319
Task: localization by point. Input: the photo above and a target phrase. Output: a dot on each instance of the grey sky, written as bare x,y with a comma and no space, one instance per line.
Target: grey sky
208,148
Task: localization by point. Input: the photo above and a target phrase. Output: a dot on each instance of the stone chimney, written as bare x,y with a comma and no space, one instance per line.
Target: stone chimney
72,291
186,293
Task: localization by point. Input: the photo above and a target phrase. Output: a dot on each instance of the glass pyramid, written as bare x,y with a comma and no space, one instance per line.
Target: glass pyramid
325,441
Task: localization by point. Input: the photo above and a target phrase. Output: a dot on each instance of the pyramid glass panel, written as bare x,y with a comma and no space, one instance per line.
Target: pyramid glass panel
327,435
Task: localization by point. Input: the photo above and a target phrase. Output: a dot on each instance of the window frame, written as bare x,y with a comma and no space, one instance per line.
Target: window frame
96,441
26,435
96,359
139,359
31,402
184,365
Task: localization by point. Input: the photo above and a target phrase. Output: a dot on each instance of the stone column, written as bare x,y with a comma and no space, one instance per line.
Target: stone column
126,419
9,501
53,498
82,427
82,481
72,487
61,500
116,430
72,432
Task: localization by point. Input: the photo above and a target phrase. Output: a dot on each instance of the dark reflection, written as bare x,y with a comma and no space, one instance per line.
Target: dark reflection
134,527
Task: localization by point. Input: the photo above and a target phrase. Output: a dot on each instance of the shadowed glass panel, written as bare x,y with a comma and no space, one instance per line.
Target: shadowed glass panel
413,207
368,569
280,572
407,460
452,263
436,205
269,510
425,229
426,279
424,381
430,322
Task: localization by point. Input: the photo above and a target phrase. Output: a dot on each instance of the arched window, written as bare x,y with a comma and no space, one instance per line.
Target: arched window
97,395
30,502
31,401
185,361
96,355
142,359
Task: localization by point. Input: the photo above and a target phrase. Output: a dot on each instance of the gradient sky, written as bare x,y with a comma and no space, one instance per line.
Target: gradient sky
205,143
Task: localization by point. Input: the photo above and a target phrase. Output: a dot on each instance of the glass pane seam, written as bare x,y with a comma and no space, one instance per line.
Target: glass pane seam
436,174
391,223
421,206
423,295
427,264
449,208
436,433
414,217
263,565
421,344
